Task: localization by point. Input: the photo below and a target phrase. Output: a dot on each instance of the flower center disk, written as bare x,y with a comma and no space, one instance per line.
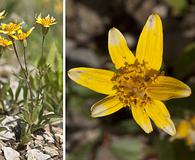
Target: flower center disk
131,81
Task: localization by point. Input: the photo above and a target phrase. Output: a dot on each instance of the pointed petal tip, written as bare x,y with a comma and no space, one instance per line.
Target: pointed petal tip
73,74
112,29
152,20
147,129
170,129
97,111
114,36
95,114
154,15
188,91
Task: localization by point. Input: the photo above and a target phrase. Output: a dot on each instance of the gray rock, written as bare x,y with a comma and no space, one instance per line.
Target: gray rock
52,151
48,137
8,123
10,154
35,154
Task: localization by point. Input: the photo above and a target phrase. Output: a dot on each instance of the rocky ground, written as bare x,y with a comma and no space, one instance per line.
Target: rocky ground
45,145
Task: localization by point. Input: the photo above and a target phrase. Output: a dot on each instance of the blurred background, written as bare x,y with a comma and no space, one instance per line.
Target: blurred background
117,136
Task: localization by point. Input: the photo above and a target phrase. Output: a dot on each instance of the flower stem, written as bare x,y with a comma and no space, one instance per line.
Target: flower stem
42,47
22,68
25,60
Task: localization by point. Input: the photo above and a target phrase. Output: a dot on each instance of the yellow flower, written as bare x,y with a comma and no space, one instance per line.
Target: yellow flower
137,83
4,42
45,22
3,14
186,130
10,28
22,35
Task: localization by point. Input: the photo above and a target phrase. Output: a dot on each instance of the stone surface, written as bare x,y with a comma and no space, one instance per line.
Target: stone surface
48,137
35,154
52,151
8,123
10,154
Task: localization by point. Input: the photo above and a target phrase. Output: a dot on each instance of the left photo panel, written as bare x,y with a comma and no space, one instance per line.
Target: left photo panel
31,79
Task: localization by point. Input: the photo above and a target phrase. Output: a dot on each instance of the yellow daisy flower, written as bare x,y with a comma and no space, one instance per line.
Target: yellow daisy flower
3,14
186,130
22,35
137,83
45,22
4,42
10,28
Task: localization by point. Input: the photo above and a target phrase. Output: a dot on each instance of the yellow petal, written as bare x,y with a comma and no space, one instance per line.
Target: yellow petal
158,112
183,129
166,88
29,31
98,80
106,106
118,49
142,118
20,31
150,44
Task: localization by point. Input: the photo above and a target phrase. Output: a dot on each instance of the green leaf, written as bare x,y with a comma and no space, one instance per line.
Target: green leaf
26,116
18,91
35,114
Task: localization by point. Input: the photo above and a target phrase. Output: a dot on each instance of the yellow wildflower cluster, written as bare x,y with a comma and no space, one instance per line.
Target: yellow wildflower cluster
186,130
14,31
138,82
22,35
